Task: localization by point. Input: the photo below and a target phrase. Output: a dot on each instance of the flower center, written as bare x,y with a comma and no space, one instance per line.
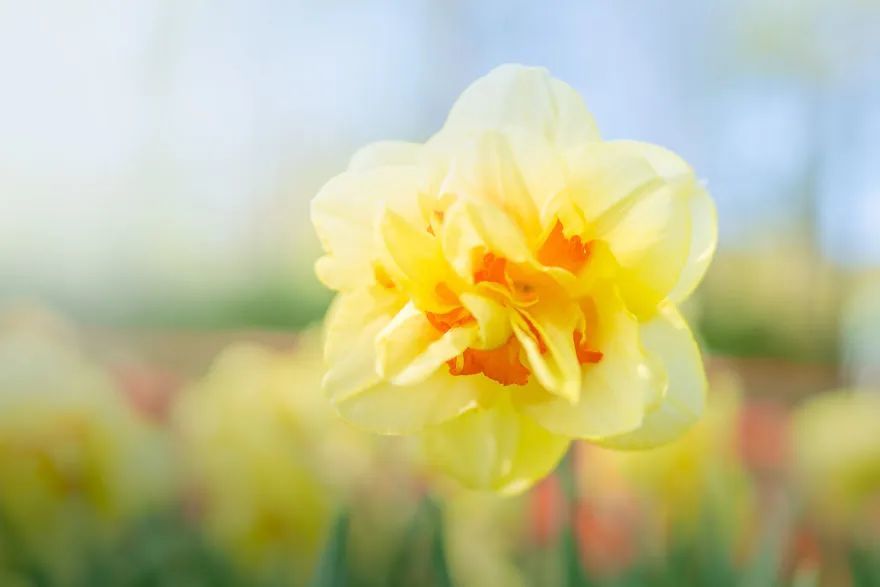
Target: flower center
568,253
504,364
500,364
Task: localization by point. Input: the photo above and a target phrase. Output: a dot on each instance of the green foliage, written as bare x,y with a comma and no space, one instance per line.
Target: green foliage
332,570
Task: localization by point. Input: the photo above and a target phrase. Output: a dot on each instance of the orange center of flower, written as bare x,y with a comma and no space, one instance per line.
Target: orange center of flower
566,252
448,320
504,364
500,364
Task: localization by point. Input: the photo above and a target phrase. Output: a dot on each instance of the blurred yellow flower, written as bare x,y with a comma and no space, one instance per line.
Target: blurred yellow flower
269,460
76,462
688,475
649,501
836,445
511,284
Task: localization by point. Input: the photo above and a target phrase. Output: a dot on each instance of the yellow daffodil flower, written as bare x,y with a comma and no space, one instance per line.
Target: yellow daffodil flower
511,284
76,461
267,459
696,475
837,453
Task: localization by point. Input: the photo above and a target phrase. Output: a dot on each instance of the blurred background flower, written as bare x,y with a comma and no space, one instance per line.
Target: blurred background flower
77,463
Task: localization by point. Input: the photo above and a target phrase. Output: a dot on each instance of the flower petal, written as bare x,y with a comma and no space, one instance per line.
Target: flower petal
553,359
616,392
470,227
604,174
669,339
386,408
525,98
413,258
494,448
493,320
351,326
409,349
649,235
704,221
704,239
345,212
483,168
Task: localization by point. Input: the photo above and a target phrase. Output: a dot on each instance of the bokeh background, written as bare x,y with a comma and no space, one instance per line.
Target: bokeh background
156,163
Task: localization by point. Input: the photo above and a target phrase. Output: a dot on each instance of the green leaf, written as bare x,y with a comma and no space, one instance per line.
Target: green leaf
421,559
332,570
766,566
864,566
573,570
438,546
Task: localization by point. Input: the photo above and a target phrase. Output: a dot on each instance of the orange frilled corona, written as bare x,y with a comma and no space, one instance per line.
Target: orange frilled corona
505,363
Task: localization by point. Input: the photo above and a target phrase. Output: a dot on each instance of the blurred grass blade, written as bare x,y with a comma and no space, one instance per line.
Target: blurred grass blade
332,570
421,558
864,566
438,547
574,571
766,567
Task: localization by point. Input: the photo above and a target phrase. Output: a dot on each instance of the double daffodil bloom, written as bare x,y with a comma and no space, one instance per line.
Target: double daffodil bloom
511,284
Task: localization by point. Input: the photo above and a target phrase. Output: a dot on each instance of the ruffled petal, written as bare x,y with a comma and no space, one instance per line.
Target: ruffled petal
616,392
494,448
704,239
493,320
484,169
649,235
668,338
351,326
386,408
414,260
604,174
472,228
409,349
345,212
545,333
703,217
518,98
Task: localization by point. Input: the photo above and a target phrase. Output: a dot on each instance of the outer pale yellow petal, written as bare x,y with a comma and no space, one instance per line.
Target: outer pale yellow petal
484,169
616,392
404,409
649,235
345,212
704,239
557,367
645,202
704,221
352,323
668,338
605,174
495,448
526,99
410,349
